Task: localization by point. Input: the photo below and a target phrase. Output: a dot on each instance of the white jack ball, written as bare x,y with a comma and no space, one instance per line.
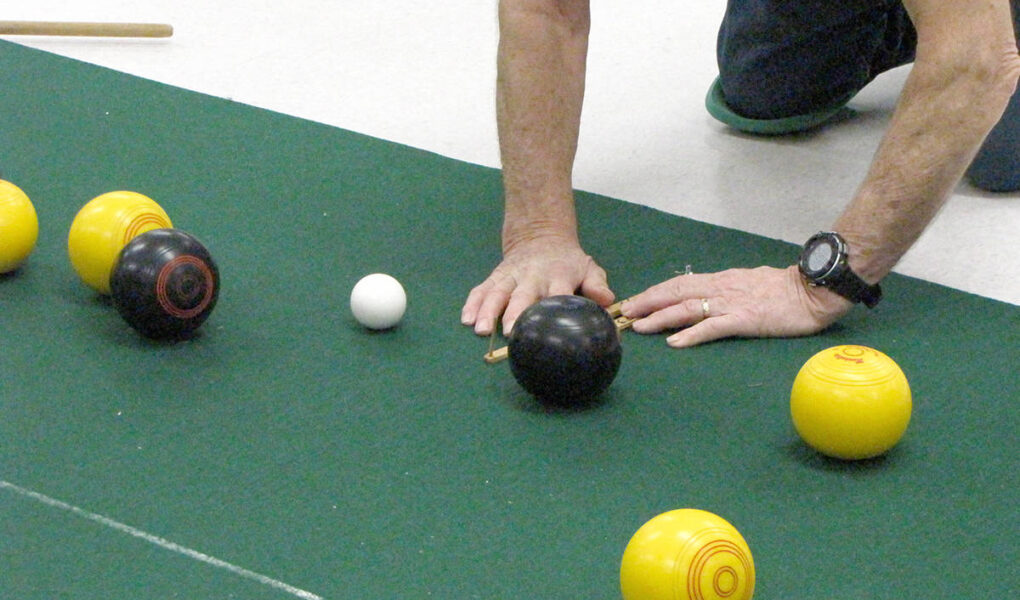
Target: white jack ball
378,301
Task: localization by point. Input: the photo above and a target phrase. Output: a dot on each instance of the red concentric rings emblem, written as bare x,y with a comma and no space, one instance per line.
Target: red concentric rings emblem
163,297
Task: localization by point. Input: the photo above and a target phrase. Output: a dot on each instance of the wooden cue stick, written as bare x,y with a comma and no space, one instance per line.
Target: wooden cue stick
501,354
141,30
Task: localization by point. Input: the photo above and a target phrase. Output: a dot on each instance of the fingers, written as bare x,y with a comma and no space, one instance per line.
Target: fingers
485,304
682,314
596,286
699,320
469,314
517,284
709,330
665,295
526,295
687,304
518,302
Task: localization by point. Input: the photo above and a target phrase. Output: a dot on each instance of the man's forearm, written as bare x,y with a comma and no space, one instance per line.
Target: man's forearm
959,86
540,89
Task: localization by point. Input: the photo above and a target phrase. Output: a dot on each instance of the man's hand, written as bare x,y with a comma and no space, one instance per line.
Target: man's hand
762,302
542,267
543,47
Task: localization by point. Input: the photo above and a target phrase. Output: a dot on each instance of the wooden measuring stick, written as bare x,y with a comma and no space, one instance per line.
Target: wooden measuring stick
140,30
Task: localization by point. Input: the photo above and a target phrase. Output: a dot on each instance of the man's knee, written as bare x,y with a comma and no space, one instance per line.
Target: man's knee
779,59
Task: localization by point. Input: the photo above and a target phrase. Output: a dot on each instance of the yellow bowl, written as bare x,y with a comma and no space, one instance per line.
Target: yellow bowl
103,227
19,227
687,554
850,402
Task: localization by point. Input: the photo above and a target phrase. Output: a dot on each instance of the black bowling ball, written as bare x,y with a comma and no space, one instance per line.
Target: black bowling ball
165,283
565,350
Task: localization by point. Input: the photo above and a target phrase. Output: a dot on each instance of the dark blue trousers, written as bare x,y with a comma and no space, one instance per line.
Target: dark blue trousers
782,61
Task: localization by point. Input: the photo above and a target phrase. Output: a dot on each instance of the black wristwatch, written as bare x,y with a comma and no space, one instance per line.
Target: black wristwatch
823,262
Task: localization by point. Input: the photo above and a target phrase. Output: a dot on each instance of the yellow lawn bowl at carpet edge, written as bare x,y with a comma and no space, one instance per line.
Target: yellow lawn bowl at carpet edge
19,227
687,554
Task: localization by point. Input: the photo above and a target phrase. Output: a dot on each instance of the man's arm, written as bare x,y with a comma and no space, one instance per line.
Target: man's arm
540,89
964,74
965,71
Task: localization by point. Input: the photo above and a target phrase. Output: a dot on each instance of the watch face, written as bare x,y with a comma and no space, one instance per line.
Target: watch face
819,258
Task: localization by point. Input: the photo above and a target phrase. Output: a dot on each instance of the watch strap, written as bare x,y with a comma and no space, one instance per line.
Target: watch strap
855,289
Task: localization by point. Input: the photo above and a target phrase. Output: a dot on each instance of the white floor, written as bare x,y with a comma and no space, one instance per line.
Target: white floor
422,73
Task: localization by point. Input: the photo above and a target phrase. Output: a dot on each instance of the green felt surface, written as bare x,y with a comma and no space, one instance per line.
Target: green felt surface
290,442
